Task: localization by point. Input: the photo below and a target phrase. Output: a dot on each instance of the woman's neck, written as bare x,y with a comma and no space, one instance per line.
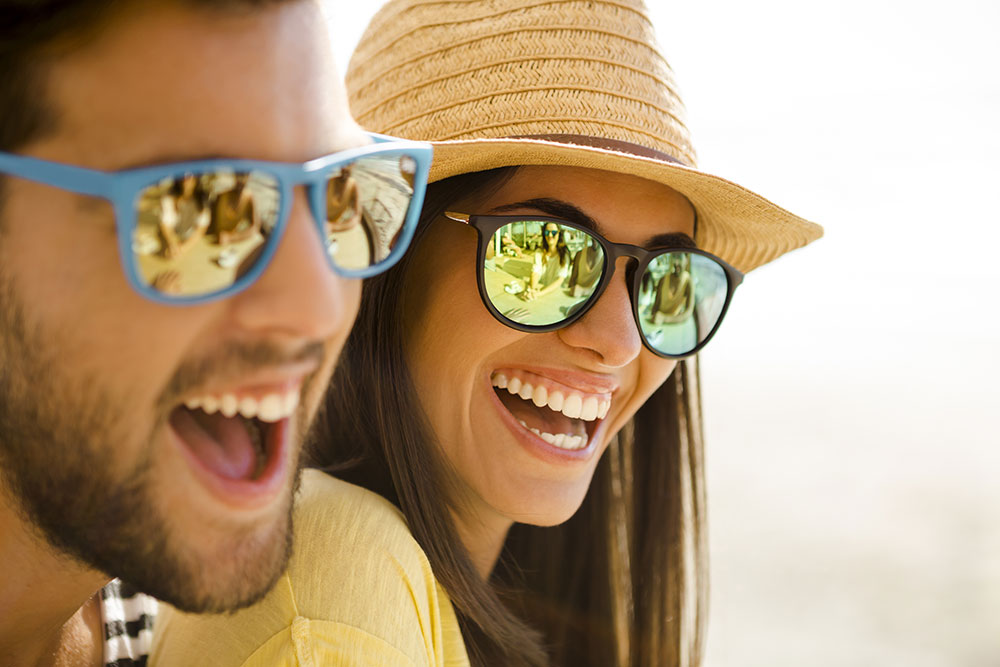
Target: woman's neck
483,537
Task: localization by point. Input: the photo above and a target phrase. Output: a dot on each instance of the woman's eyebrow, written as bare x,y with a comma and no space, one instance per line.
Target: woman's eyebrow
671,240
558,208
554,207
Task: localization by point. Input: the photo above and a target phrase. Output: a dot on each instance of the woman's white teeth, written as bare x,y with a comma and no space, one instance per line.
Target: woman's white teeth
560,440
541,397
573,405
527,391
270,408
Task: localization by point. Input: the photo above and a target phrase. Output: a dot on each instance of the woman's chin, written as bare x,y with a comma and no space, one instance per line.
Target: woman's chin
545,512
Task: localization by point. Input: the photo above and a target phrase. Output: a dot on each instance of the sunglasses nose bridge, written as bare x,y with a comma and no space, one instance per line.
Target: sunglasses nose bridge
634,257
617,251
314,185
615,254
630,269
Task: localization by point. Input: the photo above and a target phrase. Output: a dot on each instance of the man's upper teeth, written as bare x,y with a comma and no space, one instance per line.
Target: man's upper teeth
229,405
270,408
572,404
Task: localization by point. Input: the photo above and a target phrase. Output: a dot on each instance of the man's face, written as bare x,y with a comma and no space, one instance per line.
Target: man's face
97,450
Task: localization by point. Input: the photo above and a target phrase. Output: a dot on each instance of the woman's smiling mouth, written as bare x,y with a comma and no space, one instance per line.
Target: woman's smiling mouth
564,417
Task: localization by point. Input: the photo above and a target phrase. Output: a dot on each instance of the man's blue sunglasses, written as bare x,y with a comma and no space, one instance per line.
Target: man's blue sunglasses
192,232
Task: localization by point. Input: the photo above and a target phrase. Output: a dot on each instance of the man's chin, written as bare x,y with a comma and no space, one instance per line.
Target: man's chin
220,550
232,573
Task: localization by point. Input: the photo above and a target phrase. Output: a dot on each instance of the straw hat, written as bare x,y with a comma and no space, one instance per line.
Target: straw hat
497,83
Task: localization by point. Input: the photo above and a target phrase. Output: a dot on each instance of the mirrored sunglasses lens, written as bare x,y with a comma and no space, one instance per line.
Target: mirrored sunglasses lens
366,206
540,273
681,298
197,234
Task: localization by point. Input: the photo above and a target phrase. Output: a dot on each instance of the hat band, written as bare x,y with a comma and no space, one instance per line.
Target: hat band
603,143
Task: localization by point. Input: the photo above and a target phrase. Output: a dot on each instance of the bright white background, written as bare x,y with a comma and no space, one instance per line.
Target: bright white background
852,396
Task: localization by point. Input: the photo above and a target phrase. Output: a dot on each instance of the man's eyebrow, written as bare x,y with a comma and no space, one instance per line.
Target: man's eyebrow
180,157
558,208
169,158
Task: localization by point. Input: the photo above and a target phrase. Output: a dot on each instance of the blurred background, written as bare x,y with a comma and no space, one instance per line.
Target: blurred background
852,397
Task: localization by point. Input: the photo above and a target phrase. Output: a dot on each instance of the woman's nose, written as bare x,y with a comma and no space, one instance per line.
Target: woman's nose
608,328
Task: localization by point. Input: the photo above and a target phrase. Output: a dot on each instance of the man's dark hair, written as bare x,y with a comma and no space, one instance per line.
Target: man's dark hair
27,30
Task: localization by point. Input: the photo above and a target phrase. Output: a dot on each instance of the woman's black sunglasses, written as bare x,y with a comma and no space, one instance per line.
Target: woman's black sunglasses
679,295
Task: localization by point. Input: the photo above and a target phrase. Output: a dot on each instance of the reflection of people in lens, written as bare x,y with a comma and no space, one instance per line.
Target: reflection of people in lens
674,294
585,271
509,249
351,226
551,265
184,215
408,170
342,210
236,215
168,282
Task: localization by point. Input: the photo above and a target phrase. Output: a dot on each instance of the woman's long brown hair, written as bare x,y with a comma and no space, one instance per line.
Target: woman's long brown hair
623,582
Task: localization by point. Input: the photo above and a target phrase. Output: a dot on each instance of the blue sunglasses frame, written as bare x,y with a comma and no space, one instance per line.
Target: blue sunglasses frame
123,189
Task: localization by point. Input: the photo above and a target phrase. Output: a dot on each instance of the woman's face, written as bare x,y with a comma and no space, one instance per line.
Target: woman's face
457,350
551,235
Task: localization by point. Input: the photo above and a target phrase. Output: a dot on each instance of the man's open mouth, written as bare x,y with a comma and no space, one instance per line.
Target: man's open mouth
562,417
234,438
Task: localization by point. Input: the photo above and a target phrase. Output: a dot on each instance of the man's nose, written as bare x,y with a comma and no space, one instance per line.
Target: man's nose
298,295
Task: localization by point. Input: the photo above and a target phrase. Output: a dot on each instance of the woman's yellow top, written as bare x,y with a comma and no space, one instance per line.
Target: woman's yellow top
358,591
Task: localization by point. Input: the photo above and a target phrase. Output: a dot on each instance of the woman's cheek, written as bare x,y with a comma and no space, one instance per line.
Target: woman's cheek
653,372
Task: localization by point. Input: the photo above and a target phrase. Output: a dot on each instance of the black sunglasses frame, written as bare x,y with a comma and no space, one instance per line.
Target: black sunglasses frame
486,227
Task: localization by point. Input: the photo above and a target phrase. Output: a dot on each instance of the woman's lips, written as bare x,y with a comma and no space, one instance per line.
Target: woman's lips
600,384
552,426
556,433
544,392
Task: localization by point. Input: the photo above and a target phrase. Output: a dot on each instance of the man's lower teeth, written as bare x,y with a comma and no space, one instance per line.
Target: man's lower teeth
560,440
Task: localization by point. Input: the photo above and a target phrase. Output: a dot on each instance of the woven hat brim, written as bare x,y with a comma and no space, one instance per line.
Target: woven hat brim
734,223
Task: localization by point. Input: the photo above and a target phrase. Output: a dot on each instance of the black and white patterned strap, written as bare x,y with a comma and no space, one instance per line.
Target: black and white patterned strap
128,617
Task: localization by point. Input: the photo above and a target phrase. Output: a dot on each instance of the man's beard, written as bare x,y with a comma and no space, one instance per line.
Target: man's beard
59,438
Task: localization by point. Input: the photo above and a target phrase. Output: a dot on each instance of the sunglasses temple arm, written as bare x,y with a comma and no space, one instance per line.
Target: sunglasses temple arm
75,179
464,218
381,138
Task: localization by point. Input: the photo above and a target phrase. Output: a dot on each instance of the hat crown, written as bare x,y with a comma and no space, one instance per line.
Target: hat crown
480,69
